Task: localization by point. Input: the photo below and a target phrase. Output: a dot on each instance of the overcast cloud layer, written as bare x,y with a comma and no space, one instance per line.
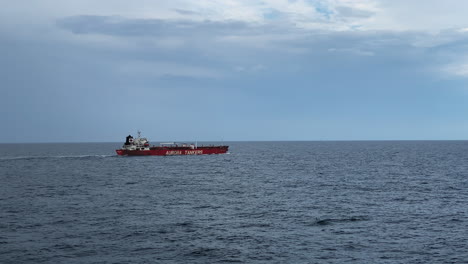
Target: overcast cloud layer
233,70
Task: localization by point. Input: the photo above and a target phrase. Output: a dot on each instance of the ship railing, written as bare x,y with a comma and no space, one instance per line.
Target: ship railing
178,144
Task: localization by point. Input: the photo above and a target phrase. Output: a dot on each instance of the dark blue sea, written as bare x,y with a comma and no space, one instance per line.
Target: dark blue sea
264,202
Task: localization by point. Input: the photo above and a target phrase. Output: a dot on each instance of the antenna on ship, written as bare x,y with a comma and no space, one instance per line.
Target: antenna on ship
139,133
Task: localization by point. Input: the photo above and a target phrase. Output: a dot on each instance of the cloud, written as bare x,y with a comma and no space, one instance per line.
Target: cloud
456,69
251,69
160,69
308,61
232,43
349,12
120,26
186,12
341,15
424,16
353,51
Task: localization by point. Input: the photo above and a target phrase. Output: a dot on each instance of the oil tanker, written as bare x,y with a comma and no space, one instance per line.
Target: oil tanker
141,147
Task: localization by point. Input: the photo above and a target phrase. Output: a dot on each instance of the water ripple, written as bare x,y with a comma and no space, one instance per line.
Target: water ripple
265,202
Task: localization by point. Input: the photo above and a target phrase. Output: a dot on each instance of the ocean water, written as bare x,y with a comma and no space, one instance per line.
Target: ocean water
264,202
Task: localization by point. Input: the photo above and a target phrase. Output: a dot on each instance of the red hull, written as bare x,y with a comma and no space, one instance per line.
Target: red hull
170,151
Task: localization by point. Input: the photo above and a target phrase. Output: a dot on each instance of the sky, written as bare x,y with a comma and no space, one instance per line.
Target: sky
180,70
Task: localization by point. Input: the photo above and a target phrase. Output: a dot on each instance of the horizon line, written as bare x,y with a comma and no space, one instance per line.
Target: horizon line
294,140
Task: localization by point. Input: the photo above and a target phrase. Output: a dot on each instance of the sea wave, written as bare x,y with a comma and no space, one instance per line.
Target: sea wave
54,157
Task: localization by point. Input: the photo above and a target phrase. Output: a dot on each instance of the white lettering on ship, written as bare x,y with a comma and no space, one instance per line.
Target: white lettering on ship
186,152
193,152
174,152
